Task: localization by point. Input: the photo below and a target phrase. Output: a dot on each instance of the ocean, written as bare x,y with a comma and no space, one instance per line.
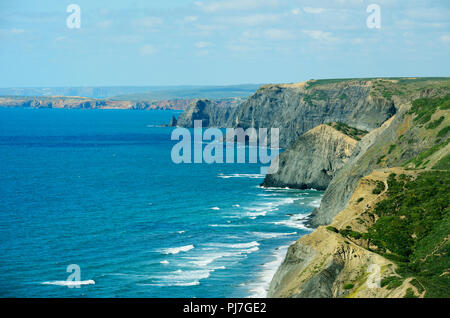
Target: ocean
98,189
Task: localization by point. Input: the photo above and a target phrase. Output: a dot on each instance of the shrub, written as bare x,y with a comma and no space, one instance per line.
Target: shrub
391,148
391,282
332,229
379,188
410,294
349,286
435,123
443,132
413,225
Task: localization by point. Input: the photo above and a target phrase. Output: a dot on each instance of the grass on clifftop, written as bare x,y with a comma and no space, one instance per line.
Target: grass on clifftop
352,132
424,108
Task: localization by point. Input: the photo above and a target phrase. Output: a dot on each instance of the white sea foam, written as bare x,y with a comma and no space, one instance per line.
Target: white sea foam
215,208
236,206
295,221
315,203
164,262
270,235
225,225
181,232
183,277
236,245
70,283
241,175
261,286
176,250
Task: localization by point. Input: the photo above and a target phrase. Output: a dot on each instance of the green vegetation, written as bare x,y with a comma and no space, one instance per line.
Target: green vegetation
424,108
380,159
419,159
412,230
443,132
392,282
379,188
315,95
359,200
410,294
418,285
313,83
435,123
392,148
348,232
352,132
349,286
343,96
332,229
443,164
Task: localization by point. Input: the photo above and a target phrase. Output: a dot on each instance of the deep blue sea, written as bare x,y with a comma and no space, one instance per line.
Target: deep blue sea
98,188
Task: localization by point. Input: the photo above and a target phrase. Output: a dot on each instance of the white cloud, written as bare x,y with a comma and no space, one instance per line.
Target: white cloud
429,14
445,38
319,35
235,5
13,31
269,34
124,39
148,22
250,20
104,24
148,50
278,34
202,45
191,18
295,11
313,10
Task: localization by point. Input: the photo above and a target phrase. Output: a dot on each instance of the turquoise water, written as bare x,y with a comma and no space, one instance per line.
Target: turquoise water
97,188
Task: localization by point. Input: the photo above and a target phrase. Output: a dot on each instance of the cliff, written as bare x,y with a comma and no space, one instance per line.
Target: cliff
326,264
387,208
297,108
313,159
90,103
396,141
211,113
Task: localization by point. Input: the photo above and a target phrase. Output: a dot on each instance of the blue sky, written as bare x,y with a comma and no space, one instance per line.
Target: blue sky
218,42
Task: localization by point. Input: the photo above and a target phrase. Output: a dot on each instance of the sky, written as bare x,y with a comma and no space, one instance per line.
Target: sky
219,42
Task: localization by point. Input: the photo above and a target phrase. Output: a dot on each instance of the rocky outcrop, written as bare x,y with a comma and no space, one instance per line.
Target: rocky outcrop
297,108
173,122
209,112
312,160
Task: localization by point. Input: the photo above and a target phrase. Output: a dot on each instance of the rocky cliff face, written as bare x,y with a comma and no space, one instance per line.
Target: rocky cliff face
312,160
210,113
327,263
382,147
297,108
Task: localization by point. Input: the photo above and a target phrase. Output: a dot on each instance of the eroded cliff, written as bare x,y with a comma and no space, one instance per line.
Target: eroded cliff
297,108
386,209
313,159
